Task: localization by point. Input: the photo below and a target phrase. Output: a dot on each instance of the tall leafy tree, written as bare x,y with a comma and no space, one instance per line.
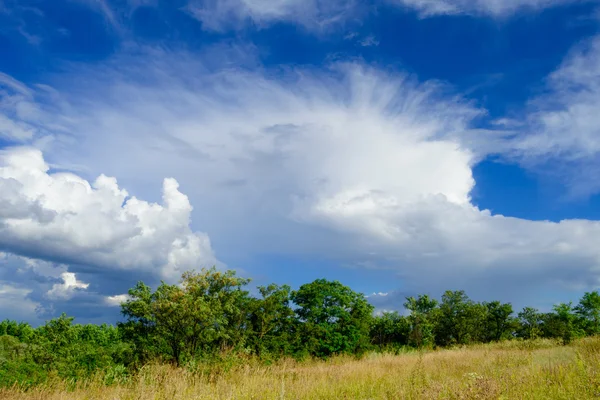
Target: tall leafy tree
459,319
530,323
139,327
390,329
333,318
563,322
203,313
272,321
421,320
498,322
588,311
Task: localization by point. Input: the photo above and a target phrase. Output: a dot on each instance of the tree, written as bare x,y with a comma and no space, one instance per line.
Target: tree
202,313
21,330
588,310
566,318
530,321
390,329
459,319
498,324
333,319
140,328
421,320
272,320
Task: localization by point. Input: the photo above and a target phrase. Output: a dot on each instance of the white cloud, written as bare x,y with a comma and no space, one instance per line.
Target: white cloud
116,300
313,14
494,8
67,288
61,216
318,15
353,164
563,126
568,124
16,110
20,306
16,301
33,291
380,294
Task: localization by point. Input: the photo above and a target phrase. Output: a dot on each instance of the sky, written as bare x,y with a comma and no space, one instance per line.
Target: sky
401,147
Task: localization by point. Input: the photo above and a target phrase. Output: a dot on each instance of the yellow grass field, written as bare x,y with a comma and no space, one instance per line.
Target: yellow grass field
509,370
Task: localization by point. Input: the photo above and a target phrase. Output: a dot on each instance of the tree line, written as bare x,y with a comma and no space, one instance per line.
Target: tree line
210,315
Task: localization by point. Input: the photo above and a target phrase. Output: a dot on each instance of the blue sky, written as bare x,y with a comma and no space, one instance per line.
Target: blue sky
399,146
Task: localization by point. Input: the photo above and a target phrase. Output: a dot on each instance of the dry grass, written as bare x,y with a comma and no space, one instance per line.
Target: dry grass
512,370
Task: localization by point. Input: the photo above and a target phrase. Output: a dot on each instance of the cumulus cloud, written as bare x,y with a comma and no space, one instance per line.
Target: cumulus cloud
380,161
34,291
67,288
116,300
494,8
354,164
62,217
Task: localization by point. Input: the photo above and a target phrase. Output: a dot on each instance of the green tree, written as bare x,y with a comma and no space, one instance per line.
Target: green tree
567,322
390,330
333,319
459,319
588,311
203,313
530,322
421,320
498,322
272,321
20,330
139,329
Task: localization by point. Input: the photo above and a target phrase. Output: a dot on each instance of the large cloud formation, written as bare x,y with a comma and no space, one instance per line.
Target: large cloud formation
355,164
62,217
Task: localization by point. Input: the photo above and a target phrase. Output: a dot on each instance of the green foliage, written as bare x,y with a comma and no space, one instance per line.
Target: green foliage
272,324
58,348
204,312
588,310
390,331
332,318
458,319
19,330
529,323
498,322
421,320
210,324
565,321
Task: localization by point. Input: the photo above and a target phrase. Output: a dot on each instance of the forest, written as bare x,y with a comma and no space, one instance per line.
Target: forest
209,319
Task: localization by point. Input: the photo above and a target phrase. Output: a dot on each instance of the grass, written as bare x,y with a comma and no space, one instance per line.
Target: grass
509,370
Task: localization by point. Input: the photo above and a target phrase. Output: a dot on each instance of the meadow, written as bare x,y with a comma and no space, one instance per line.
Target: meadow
515,369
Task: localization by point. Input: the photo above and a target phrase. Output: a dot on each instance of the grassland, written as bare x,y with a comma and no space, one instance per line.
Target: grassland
508,370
